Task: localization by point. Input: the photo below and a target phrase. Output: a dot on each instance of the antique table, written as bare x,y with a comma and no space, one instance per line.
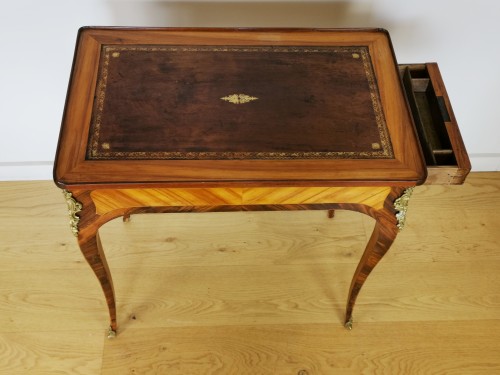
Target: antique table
170,120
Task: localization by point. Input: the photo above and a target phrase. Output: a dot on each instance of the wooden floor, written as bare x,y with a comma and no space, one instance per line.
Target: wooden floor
253,293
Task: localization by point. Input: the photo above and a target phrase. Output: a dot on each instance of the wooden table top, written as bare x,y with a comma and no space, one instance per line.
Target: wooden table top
236,106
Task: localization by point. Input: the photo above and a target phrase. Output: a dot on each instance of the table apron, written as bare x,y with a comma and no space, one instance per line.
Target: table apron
108,200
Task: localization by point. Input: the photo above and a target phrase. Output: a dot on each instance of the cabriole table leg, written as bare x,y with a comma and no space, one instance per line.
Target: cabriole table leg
389,221
85,224
380,241
92,251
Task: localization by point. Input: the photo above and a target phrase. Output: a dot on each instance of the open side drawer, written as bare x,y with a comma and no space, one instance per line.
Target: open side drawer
438,132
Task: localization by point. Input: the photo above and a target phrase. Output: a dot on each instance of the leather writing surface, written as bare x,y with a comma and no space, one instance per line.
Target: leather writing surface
237,102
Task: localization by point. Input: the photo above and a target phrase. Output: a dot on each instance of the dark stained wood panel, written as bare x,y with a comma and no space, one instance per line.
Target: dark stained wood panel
238,102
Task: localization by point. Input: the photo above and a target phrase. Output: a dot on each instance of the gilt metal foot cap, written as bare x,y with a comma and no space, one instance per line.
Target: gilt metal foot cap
111,333
348,324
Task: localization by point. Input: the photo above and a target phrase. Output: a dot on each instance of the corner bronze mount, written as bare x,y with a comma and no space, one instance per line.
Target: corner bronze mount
73,208
401,206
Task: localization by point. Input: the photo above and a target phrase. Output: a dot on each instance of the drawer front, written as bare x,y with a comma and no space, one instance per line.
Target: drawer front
438,132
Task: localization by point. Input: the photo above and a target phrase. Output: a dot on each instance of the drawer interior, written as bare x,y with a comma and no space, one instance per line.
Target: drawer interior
430,115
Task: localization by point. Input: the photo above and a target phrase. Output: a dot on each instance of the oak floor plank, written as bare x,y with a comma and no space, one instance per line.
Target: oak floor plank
300,294
373,348
50,300
235,238
30,198
34,228
195,296
450,223
252,292
68,352
29,245
436,291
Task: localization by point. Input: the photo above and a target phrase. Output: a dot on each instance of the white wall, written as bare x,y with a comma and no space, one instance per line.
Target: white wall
37,39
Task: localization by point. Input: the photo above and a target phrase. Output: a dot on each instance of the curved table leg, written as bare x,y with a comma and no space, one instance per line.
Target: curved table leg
91,248
389,221
85,227
380,241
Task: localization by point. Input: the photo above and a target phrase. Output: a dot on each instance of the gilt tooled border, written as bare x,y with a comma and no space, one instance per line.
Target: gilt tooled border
94,152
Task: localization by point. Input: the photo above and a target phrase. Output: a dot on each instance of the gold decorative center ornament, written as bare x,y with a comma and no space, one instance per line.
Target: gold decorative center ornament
239,98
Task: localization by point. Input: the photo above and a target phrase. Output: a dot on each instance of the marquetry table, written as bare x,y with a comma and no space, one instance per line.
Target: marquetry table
171,120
